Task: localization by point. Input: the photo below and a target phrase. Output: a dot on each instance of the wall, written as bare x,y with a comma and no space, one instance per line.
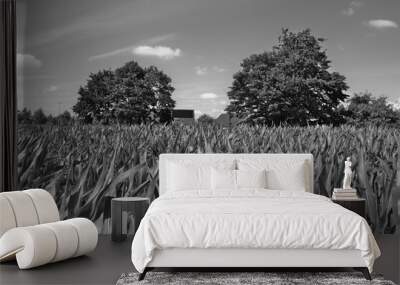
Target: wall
61,43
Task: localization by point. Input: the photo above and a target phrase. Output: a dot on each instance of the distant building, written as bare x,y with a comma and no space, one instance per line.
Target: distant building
185,116
226,121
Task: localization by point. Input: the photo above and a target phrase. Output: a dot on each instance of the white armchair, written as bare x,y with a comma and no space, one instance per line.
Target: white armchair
31,231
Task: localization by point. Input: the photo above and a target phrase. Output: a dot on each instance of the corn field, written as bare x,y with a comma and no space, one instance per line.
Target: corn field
83,166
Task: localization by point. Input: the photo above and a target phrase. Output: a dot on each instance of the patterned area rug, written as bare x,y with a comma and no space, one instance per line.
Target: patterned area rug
243,278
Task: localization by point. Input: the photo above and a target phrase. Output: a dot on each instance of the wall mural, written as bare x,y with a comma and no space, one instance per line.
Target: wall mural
102,95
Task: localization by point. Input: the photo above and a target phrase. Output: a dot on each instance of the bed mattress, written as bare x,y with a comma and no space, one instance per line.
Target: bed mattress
250,219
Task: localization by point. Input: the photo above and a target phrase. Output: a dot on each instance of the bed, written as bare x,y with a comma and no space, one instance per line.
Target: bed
246,211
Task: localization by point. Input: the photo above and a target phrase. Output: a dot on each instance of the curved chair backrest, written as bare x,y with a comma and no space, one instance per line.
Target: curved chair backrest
26,208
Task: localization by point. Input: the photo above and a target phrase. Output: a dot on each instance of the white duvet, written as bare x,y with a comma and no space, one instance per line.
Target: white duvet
250,219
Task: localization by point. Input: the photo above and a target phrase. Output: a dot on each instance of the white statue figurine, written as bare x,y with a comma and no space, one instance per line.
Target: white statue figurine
348,173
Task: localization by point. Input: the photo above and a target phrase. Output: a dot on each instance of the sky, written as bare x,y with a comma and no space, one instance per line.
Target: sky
198,43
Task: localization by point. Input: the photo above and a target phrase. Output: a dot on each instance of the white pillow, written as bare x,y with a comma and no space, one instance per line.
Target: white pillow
251,179
227,179
223,179
281,174
186,174
181,177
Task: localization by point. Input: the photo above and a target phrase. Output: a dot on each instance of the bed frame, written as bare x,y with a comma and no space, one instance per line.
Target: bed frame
245,258
242,259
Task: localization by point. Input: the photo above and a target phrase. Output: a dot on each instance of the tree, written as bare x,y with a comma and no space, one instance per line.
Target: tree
205,119
39,117
50,119
24,116
290,84
130,94
64,118
94,102
364,109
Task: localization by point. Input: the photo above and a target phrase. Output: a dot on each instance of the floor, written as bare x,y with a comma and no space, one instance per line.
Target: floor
389,262
103,266
110,260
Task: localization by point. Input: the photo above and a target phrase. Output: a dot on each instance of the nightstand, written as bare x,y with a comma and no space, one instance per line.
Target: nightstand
355,205
124,209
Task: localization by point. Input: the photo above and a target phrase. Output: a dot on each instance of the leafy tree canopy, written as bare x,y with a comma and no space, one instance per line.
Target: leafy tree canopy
364,108
131,94
63,119
291,84
39,117
205,119
24,116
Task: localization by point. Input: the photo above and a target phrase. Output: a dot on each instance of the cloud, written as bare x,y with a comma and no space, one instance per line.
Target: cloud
208,96
215,111
223,102
381,24
159,39
203,70
396,104
197,113
200,70
340,47
52,88
92,24
162,52
111,53
218,69
131,48
28,60
348,11
351,9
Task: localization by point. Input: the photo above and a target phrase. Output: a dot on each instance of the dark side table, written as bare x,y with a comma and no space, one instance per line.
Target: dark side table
355,205
126,209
